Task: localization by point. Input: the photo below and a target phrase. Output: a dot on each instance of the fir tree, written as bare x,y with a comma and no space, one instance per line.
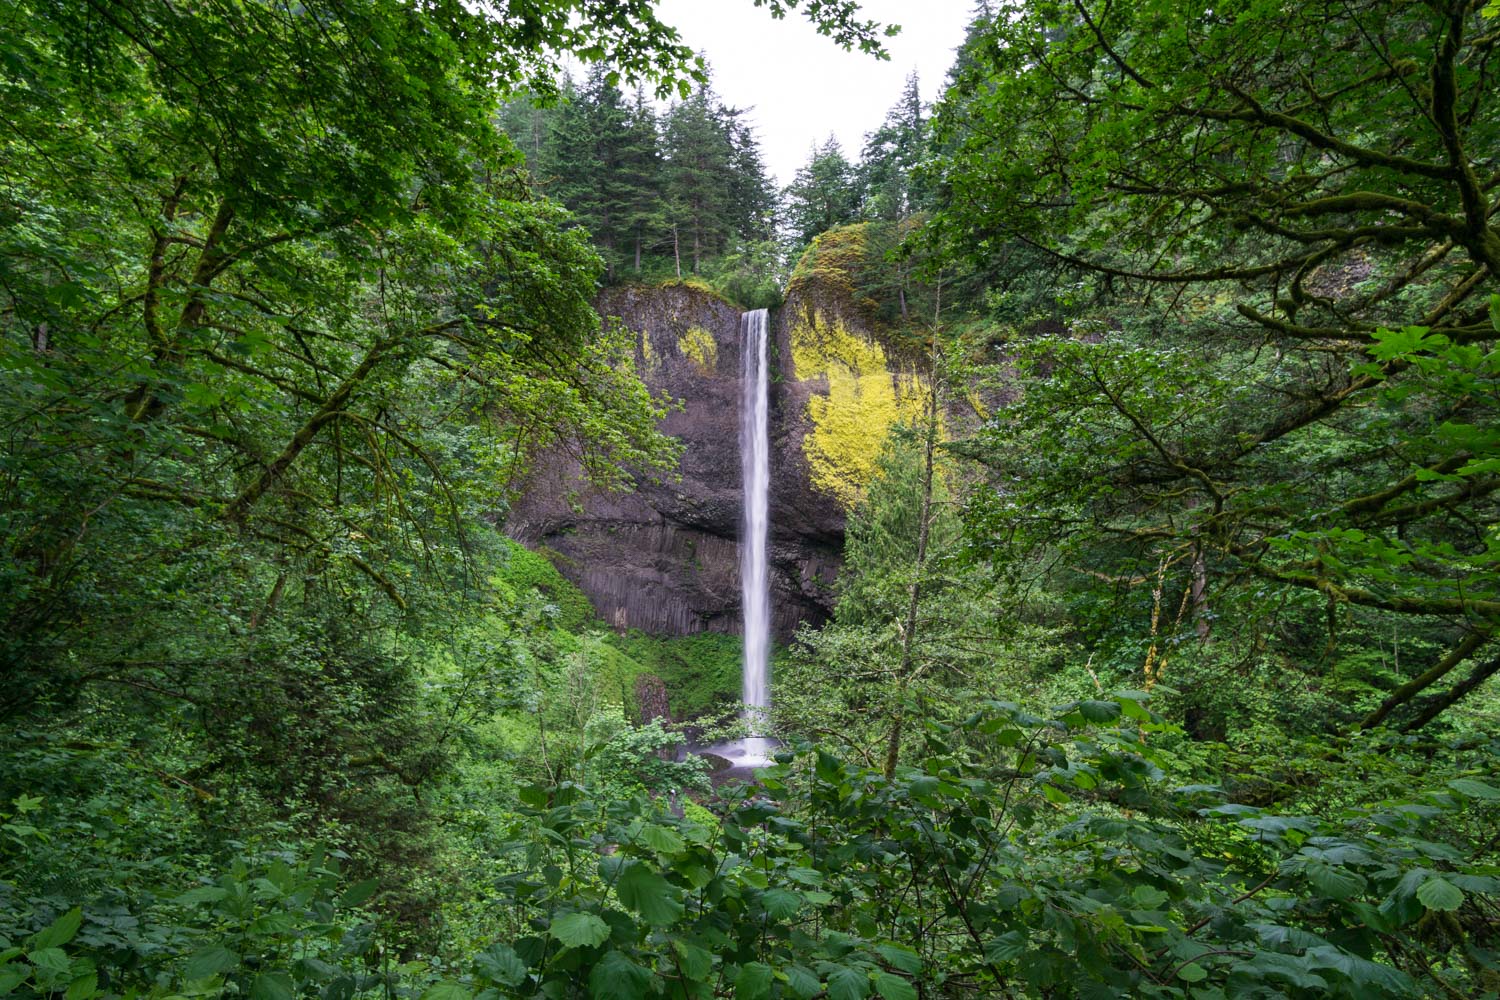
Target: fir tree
823,194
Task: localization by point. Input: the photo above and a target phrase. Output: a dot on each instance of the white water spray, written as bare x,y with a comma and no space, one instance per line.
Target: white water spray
755,458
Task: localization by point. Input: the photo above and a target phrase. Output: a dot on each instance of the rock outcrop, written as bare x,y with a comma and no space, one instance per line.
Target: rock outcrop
665,559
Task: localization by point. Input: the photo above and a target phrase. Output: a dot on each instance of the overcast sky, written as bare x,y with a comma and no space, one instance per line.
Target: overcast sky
801,85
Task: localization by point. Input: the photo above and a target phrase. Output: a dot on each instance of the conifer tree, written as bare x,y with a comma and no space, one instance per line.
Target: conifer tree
698,156
823,194
887,172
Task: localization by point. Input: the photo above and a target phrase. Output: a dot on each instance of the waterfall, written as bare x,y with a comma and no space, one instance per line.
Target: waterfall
755,460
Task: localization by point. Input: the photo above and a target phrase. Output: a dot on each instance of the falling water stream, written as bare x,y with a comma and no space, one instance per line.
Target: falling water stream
755,581
755,461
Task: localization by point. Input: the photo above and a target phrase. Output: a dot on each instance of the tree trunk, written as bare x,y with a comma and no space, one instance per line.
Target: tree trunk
1433,708
1431,676
924,527
1200,592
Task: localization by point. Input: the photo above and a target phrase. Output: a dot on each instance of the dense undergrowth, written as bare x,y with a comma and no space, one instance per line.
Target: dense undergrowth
1096,850
1164,649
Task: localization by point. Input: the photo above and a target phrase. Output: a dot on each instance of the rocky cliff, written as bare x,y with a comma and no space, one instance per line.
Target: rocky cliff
664,559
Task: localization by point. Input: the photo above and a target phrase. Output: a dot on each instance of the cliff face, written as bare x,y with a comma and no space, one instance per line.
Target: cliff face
665,558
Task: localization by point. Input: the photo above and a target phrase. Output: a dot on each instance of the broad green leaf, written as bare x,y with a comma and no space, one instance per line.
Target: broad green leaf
1440,894
615,977
1100,711
753,981
500,963
646,892
359,892
51,960
781,904
695,962
845,983
82,988
447,991
209,961
203,894
1473,789
278,986
662,840
893,987
60,932
1006,948
1192,973
803,984
1337,883
579,930
14,975
900,957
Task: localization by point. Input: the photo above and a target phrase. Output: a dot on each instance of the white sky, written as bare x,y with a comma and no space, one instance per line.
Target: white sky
801,85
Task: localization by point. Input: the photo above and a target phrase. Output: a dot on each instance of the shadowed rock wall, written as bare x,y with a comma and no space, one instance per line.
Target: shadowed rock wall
665,559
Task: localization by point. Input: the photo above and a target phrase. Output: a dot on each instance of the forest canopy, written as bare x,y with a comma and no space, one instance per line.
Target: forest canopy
1161,659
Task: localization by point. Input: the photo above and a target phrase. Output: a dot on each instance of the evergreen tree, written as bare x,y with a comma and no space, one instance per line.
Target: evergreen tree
685,187
640,180
699,168
887,172
823,194
752,198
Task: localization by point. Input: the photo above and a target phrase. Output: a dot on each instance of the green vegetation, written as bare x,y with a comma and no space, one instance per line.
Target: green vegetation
863,402
1163,659
701,672
676,193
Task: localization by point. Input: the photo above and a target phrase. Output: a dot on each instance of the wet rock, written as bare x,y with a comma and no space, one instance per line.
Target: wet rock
665,558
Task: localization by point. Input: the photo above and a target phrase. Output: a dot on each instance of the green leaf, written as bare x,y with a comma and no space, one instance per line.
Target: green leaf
892,987
1440,894
753,981
579,930
358,893
1100,711
845,983
662,840
900,957
14,975
803,984
1149,896
50,960
60,932
1336,883
209,961
275,986
1472,789
203,894
650,895
1192,973
447,991
781,904
1006,948
499,963
695,962
82,988
615,977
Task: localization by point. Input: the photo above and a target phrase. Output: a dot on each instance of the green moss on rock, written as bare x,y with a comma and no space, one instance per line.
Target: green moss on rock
866,396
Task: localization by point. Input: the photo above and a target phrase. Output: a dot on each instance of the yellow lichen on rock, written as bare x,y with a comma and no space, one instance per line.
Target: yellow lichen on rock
864,400
699,345
649,358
